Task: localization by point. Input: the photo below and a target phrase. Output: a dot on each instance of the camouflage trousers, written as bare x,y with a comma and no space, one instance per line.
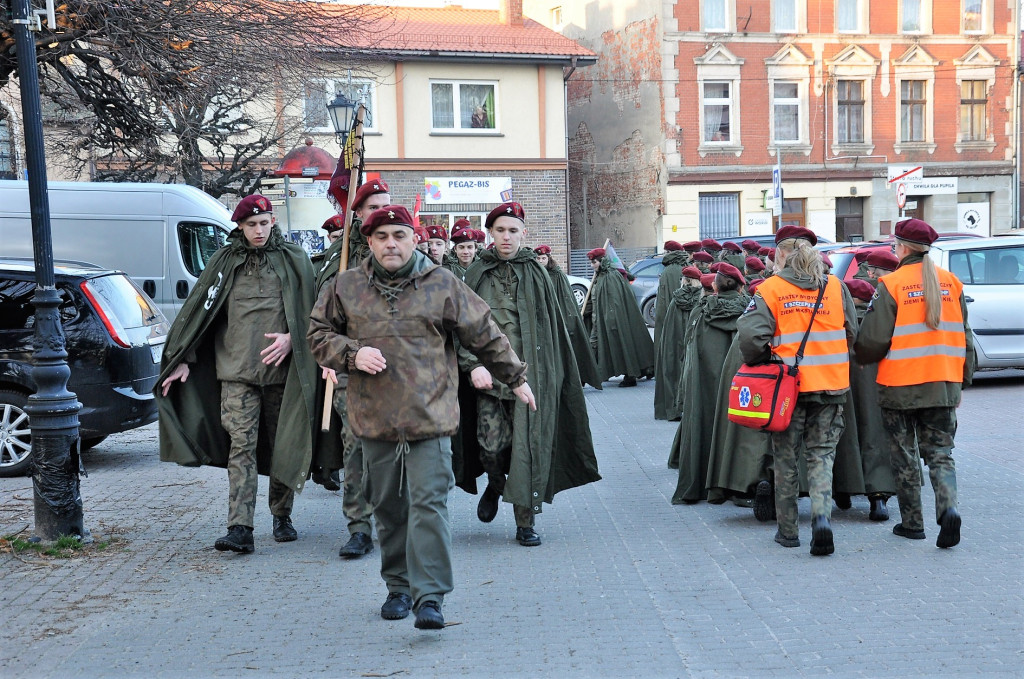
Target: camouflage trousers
244,408
813,432
494,433
927,432
354,504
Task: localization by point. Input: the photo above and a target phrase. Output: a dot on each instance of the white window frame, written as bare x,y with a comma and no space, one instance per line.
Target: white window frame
456,101
729,9
977,64
370,123
720,65
800,16
926,18
862,18
986,18
800,101
729,101
916,64
853,63
789,64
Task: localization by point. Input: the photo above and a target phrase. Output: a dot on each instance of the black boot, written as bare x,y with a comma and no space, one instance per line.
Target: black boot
527,537
429,616
628,381
949,529
238,539
487,508
764,501
879,512
358,544
284,531
842,500
821,536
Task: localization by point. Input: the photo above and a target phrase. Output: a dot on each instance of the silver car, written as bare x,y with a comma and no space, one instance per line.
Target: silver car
992,271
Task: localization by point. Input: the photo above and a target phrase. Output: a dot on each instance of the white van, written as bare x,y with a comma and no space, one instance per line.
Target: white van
159,234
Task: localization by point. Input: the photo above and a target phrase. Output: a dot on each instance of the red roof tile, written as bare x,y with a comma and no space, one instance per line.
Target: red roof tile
454,31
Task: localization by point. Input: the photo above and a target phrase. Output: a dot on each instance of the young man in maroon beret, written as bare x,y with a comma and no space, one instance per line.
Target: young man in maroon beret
437,243
387,325
464,248
669,329
233,358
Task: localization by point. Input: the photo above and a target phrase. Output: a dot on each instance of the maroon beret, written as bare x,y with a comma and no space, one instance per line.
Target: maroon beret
794,231
754,264
711,244
825,258
714,267
752,286
726,269
252,205
750,245
460,224
463,236
421,234
692,272
764,252
596,253
703,257
882,259
707,280
861,254
673,246
916,231
543,249
435,231
335,223
692,246
368,189
479,236
510,209
391,214
770,253
732,247
861,289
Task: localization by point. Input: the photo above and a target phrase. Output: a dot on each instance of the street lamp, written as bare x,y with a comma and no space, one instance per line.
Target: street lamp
341,110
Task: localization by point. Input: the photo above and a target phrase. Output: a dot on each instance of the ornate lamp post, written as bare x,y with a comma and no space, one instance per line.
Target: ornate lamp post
53,410
341,110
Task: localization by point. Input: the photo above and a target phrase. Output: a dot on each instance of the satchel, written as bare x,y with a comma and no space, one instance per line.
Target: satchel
764,396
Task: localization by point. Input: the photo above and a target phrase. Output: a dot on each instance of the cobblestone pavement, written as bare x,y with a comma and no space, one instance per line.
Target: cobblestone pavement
625,584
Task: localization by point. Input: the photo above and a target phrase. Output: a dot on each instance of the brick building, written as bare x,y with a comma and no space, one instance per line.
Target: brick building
847,91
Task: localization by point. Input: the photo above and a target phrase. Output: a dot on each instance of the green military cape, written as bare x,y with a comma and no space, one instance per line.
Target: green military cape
624,345
874,440
578,336
557,435
713,328
669,331
190,429
689,300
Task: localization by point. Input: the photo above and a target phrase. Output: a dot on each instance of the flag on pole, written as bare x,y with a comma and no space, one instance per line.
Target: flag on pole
337,190
613,257
416,212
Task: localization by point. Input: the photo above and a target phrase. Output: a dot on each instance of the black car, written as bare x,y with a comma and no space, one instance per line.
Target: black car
114,337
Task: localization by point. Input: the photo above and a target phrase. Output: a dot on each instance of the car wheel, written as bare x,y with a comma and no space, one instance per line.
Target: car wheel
648,309
15,435
580,293
92,442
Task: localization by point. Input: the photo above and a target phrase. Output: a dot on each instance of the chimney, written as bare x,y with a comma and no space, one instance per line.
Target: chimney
510,12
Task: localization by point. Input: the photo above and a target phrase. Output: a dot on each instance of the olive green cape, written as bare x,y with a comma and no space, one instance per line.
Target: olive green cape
190,429
714,326
874,440
552,449
669,330
578,336
624,345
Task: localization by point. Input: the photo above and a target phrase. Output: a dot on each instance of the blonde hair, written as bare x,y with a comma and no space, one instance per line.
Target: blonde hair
929,284
805,261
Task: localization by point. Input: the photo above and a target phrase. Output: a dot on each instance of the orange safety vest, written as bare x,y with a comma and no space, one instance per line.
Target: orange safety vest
918,354
826,362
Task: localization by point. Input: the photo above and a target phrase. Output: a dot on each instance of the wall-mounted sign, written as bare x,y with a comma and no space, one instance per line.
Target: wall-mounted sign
439,190
757,224
973,218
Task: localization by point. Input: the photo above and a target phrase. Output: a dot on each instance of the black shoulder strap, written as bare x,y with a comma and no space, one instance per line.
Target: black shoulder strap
803,342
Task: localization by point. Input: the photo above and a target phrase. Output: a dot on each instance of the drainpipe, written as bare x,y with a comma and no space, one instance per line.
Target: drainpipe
565,107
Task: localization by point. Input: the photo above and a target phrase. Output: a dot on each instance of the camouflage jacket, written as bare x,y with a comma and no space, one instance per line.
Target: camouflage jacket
416,396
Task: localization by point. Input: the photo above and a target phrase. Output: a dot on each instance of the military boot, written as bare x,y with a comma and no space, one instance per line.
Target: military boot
949,529
764,501
879,512
821,536
429,616
284,531
358,545
238,539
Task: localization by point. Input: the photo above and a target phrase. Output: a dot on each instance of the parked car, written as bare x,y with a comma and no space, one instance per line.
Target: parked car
579,287
992,271
645,287
843,255
114,336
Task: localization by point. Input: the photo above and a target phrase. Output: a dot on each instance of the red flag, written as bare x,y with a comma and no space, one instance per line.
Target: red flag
416,213
337,191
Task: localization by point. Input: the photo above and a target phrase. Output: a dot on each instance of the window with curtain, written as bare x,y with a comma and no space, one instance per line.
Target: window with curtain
718,215
717,110
848,16
912,16
714,15
785,16
974,17
850,108
912,110
973,110
463,105
786,107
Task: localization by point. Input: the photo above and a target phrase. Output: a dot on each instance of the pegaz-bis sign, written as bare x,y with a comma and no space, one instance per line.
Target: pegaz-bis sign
493,190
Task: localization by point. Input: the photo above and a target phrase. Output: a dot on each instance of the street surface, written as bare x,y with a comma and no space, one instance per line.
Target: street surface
625,584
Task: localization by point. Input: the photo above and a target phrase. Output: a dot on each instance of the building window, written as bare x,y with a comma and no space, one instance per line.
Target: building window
793,211
973,110
717,112
850,16
911,16
463,106
556,16
850,101
784,16
912,110
718,215
786,110
716,15
6,148
974,16
319,93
